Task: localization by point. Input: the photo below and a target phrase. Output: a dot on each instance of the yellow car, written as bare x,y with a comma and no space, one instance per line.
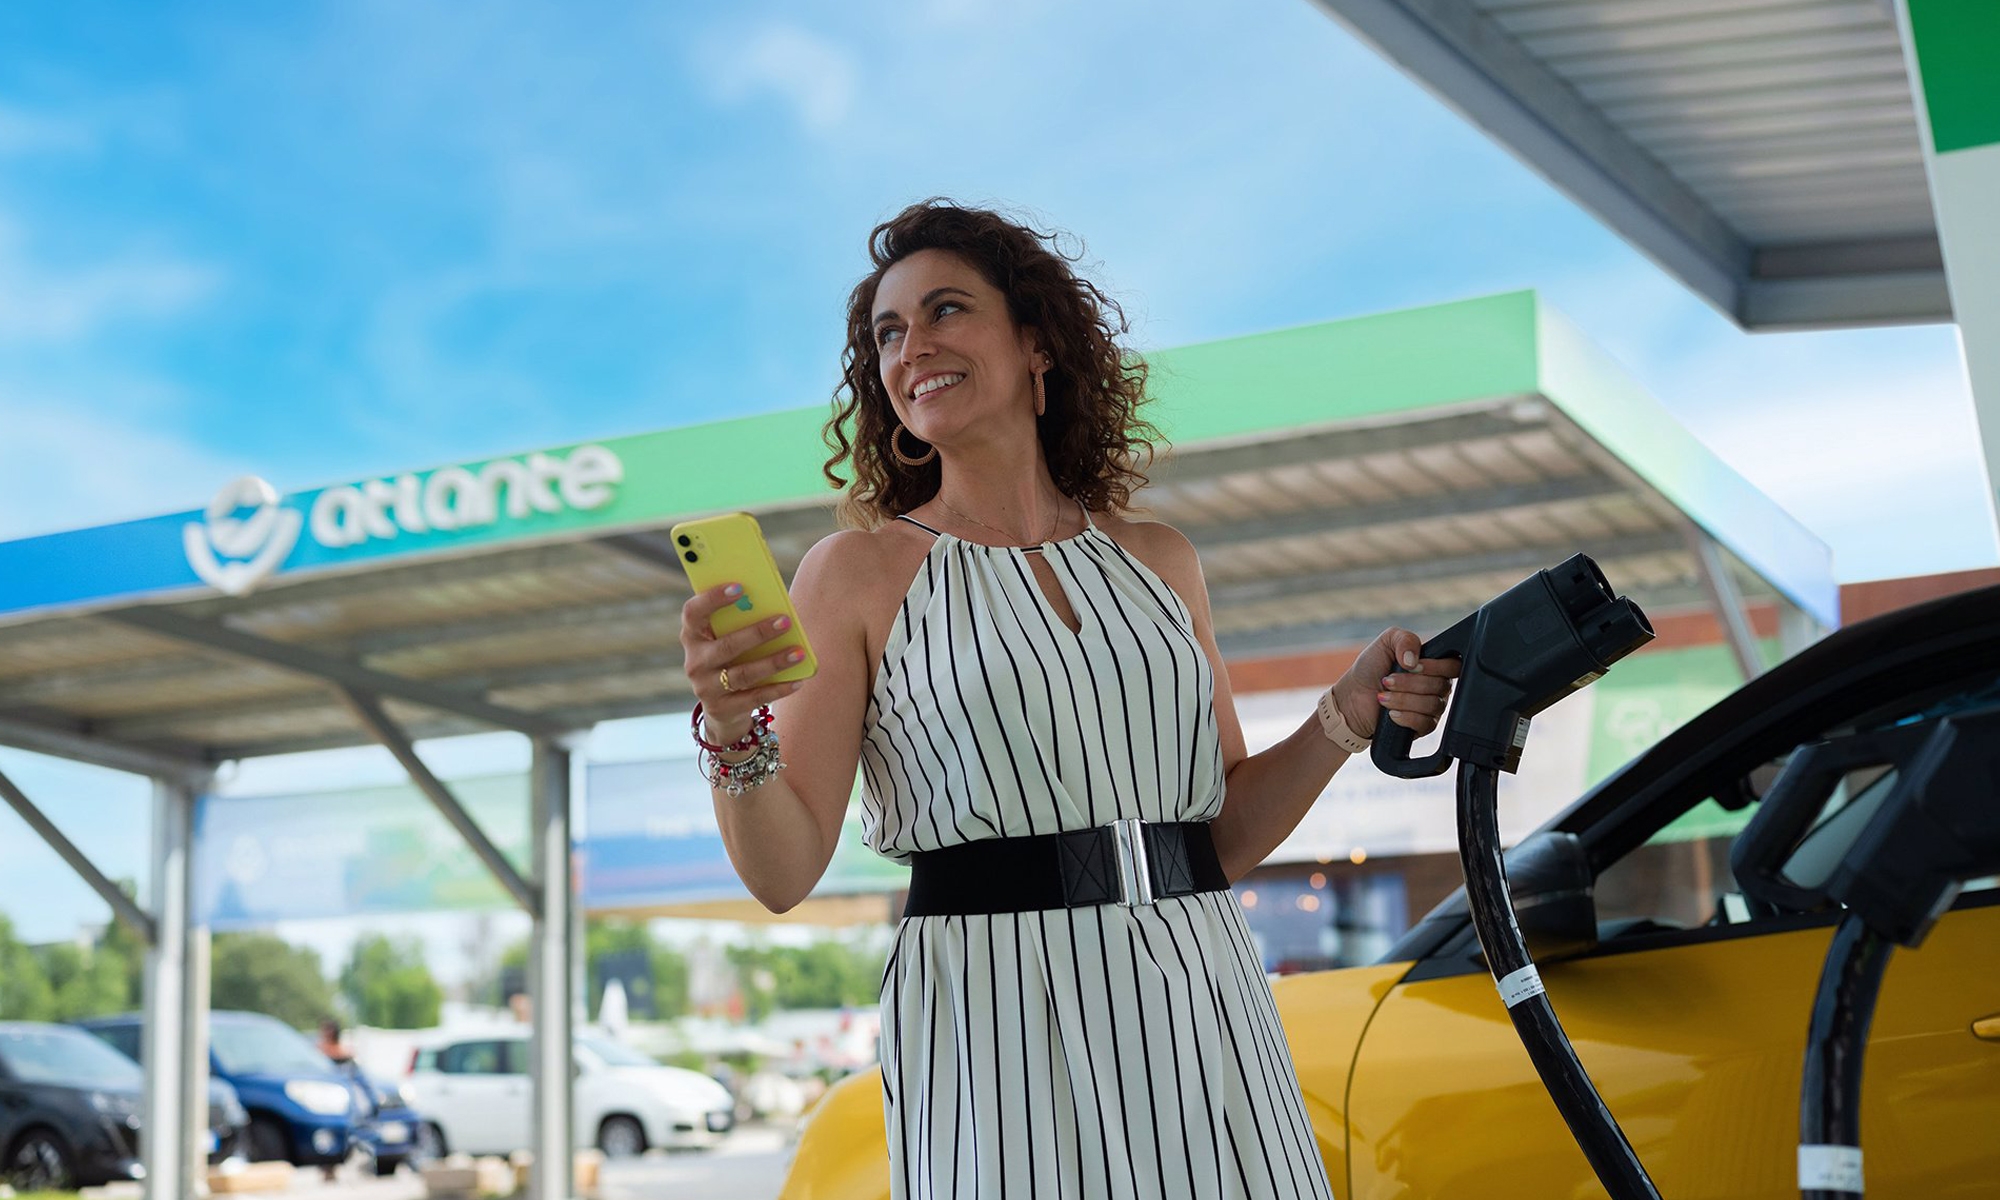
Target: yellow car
1687,1004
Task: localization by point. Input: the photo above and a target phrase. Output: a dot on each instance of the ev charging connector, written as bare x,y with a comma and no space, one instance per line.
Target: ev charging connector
1555,632
1551,634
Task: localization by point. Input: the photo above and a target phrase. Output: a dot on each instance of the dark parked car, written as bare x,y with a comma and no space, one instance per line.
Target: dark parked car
302,1109
70,1110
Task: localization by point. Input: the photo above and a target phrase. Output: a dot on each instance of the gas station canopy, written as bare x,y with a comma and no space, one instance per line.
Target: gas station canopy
1765,152
1336,478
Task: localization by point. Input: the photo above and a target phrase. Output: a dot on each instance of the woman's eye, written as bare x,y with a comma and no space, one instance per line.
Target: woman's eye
884,336
946,307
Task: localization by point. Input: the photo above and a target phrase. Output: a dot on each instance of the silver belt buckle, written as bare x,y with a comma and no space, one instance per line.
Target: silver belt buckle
1135,873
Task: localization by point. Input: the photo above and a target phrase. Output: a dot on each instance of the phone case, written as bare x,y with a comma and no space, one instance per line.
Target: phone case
731,549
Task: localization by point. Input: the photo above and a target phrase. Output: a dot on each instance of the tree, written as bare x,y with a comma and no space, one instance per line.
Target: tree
825,974
65,981
388,984
604,937
127,950
258,972
25,994
86,981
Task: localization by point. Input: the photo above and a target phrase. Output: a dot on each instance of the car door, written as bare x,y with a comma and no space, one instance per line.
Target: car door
514,1109
477,1099
1690,1016
1696,1045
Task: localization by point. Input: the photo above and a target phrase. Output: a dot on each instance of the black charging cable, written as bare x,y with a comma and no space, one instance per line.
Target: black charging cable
1836,1041
1550,635
1479,852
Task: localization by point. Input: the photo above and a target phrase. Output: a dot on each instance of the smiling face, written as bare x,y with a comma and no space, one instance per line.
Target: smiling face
951,357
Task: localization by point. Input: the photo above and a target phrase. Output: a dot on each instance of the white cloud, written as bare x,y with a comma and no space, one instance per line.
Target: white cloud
815,77
39,304
63,467
24,132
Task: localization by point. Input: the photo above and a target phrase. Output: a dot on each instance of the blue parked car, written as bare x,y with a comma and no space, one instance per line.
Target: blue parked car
303,1109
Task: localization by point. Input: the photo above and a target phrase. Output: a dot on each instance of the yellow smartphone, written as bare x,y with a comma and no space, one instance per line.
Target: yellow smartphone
731,549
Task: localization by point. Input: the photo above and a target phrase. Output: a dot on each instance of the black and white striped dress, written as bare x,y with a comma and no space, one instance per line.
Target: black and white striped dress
1090,1052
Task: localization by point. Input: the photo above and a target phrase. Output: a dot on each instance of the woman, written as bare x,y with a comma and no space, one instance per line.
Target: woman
1029,685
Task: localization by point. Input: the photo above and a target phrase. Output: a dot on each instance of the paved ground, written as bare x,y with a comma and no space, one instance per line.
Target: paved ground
748,1165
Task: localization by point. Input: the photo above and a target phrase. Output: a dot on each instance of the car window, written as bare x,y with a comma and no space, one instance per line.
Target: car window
611,1054
248,1046
66,1058
1680,878
474,1058
517,1056
122,1038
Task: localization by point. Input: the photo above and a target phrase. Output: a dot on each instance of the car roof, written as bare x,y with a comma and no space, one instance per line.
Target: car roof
132,1018
32,1026
498,1033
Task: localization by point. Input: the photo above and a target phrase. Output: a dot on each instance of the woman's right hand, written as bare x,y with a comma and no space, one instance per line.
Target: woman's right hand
726,714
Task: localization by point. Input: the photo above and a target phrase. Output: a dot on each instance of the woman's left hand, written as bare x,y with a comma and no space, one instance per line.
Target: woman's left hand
1415,696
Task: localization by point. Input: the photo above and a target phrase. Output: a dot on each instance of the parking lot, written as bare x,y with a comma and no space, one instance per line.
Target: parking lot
748,1165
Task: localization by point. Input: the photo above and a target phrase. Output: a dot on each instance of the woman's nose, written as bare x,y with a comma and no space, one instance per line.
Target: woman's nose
915,344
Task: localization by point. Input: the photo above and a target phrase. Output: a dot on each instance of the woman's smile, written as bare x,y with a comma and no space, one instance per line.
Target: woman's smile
931,386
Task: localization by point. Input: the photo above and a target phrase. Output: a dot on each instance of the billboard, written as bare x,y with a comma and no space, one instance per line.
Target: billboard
354,852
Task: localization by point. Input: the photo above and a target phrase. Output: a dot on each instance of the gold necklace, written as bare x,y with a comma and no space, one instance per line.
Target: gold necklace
1053,524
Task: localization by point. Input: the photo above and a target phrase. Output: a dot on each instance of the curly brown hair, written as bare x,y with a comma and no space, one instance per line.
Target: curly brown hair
1096,444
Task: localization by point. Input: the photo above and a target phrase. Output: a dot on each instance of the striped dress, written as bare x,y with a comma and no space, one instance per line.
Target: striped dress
1089,1052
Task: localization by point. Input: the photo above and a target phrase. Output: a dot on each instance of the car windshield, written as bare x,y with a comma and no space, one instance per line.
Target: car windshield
615,1055
66,1057
265,1048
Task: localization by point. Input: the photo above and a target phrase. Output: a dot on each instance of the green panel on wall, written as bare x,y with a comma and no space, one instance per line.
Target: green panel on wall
1958,51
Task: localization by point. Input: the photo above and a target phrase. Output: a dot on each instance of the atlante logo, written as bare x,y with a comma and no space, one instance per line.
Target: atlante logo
235,553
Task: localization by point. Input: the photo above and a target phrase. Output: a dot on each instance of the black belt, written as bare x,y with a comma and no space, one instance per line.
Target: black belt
1129,862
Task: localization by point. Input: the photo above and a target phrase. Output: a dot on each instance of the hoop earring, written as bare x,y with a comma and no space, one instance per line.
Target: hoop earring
896,448
1041,394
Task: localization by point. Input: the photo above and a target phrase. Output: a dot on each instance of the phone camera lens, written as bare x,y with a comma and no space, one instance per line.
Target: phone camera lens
690,556
684,540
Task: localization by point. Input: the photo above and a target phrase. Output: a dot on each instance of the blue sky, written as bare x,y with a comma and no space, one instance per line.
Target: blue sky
322,241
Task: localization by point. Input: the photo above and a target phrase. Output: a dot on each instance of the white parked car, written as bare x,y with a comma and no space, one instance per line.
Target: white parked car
474,1094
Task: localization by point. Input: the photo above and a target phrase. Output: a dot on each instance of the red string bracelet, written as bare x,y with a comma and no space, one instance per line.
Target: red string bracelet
759,721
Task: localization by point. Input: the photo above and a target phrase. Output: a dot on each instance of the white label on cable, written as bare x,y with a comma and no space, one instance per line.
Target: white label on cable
1830,1168
1520,985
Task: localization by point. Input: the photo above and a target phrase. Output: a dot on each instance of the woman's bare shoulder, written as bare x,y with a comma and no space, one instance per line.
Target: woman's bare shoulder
851,549
1157,544
860,563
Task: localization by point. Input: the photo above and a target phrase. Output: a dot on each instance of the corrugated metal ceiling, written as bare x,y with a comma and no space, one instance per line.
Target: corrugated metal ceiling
1766,151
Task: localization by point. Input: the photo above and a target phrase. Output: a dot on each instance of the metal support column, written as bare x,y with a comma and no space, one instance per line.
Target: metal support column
1797,628
549,976
1726,601
176,1024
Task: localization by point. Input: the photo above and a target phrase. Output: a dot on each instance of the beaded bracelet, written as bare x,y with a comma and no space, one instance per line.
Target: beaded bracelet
760,719
736,778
